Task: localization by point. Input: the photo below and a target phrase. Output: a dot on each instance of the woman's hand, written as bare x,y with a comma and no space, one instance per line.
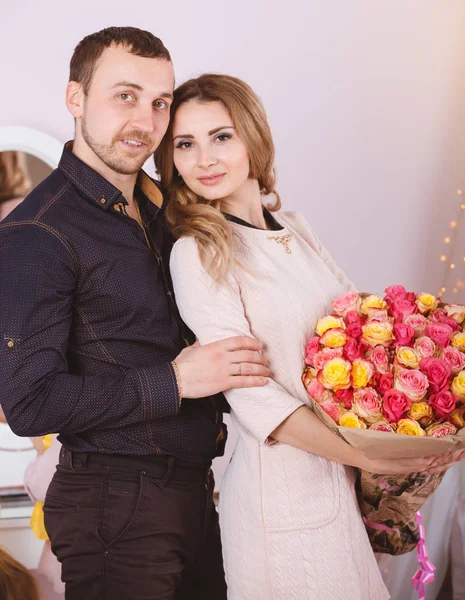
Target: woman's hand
2,416
399,466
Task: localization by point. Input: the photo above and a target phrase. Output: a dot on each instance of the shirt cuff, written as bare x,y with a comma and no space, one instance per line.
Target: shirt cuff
159,391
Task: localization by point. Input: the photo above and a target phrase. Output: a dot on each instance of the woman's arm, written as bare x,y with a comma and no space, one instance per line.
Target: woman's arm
304,430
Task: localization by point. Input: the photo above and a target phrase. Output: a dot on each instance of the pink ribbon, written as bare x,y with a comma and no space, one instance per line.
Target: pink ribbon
425,573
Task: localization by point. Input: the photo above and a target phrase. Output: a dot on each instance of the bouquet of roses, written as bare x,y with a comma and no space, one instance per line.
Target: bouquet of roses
389,375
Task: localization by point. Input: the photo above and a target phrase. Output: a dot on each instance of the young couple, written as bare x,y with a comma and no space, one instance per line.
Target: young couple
94,347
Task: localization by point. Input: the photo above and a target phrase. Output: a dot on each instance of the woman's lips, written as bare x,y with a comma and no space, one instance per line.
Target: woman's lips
212,179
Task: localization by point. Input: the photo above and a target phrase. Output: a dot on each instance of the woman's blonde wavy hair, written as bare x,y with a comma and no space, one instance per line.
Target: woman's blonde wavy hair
193,216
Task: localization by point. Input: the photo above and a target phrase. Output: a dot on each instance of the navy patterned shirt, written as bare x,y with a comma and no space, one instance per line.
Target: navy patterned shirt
89,326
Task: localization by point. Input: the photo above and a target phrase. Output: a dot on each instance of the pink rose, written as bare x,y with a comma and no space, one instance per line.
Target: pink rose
384,383
395,405
331,408
443,403
404,308
454,358
379,358
311,349
394,293
353,318
440,316
403,334
438,430
438,373
367,404
440,333
345,303
345,396
382,426
352,350
412,383
324,355
380,316
316,390
354,330
418,322
425,346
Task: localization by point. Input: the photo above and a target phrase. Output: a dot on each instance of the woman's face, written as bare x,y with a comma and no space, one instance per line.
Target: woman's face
208,153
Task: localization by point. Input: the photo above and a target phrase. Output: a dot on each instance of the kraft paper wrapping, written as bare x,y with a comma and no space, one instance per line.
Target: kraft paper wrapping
391,501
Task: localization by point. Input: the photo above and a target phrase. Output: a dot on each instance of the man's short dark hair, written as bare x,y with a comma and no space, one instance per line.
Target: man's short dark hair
88,51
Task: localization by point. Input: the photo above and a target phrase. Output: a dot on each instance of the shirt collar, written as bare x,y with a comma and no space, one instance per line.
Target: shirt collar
99,189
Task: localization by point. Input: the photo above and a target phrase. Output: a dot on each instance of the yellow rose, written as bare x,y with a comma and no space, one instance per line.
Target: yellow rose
458,341
372,304
457,417
329,323
408,357
362,372
350,419
427,302
458,384
334,338
335,374
421,411
377,334
409,427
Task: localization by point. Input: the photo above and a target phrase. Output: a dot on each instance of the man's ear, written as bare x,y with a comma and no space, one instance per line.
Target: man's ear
74,98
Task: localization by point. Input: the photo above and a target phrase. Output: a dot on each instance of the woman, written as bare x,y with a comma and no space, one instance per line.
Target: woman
16,583
291,526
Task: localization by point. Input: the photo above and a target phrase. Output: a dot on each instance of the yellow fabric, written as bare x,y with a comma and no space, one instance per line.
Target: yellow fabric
37,518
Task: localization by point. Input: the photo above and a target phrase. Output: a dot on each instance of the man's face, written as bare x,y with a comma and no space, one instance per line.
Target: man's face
127,109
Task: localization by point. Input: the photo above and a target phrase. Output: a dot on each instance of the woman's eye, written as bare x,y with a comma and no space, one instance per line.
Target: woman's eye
222,137
184,145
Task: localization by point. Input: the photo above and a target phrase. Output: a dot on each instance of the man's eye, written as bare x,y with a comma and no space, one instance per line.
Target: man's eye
125,97
160,104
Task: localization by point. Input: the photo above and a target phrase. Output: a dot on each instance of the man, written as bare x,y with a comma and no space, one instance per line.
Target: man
93,345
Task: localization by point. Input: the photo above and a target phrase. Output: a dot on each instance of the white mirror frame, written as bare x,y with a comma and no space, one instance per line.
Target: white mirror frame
26,139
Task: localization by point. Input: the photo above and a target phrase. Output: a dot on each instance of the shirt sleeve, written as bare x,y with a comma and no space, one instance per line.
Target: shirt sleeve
214,311
38,279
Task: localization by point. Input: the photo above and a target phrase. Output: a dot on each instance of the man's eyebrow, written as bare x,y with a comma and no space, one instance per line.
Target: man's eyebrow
139,88
211,132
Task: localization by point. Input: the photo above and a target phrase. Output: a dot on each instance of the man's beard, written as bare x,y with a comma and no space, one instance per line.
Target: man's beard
108,153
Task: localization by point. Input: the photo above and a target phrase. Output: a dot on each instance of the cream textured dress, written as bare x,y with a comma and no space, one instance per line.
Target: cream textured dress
291,527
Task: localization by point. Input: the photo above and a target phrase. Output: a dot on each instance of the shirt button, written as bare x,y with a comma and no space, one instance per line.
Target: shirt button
10,344
102,200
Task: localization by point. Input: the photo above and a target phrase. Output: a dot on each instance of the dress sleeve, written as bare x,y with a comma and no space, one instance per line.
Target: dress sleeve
214,311
300,224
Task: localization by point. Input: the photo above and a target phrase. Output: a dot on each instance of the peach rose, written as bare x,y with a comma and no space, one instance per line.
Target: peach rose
454,358
382,425
324,355
316,390
367,404
345,303
425,347
332,409
458,341
426,302
372,304
456,312
418,322
379,359
421,412
439,430
412,383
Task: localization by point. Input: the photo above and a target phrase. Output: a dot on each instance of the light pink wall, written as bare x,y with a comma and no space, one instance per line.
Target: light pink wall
365,99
